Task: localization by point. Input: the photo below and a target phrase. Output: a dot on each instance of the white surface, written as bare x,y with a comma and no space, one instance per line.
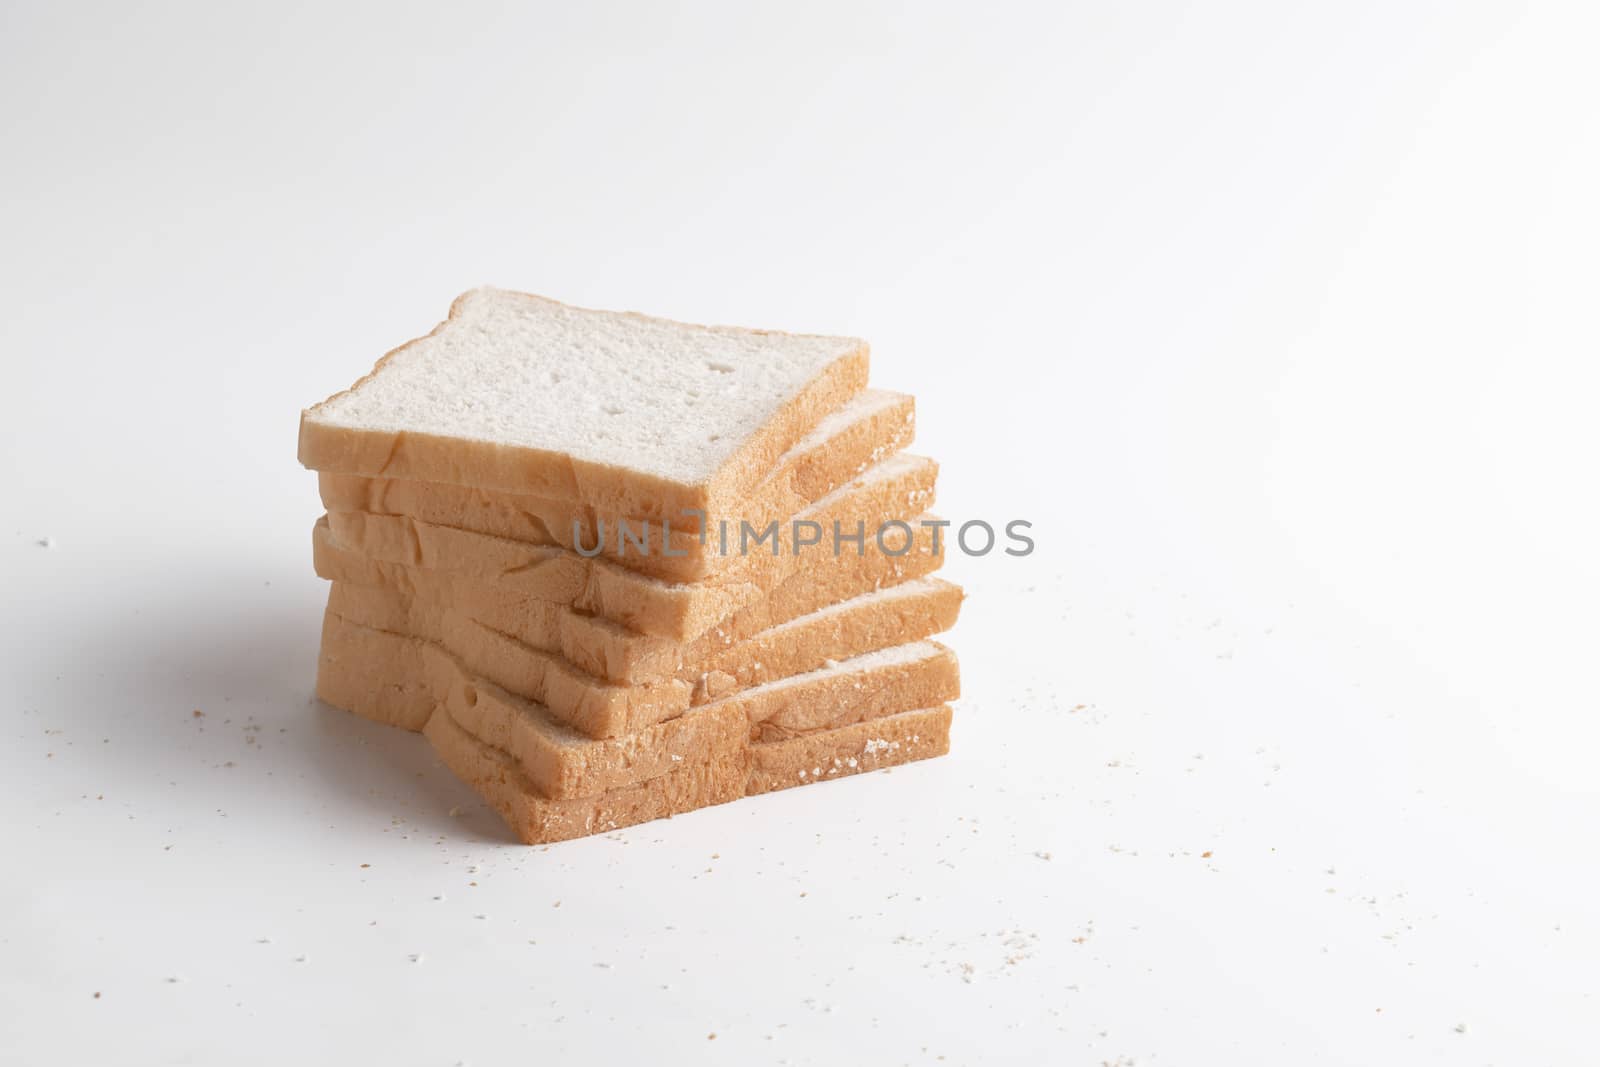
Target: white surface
1278,324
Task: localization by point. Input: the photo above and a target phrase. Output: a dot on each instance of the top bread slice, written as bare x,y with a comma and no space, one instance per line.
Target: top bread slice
618,411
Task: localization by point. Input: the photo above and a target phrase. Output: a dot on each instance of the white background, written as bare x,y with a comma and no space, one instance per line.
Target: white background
1277,320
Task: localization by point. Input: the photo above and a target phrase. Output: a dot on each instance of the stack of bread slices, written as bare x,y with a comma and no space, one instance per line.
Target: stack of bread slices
617,568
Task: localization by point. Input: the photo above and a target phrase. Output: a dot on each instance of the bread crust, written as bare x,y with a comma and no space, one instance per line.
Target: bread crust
396,675
613,652
855,749
598,708
537,819
898,490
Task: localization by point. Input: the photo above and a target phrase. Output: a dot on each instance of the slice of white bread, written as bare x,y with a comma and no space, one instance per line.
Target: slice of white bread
594,707
537,819
869,745
868,429
627,413
401,681
613,652
899,488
